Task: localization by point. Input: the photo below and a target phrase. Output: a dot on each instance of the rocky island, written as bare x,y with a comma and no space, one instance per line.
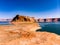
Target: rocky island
23,32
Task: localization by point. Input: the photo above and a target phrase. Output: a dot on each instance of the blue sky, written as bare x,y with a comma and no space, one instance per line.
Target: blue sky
35,8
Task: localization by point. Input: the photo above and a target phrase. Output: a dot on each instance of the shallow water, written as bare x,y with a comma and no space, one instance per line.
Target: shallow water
51,27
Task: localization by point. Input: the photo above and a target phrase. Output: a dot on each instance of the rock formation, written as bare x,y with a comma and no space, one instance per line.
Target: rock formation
26,22
25,33
18,18
28,38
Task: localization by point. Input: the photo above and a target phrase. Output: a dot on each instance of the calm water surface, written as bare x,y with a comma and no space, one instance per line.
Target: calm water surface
51,27
4,23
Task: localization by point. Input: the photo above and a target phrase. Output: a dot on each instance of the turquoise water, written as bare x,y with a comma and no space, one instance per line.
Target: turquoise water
51,27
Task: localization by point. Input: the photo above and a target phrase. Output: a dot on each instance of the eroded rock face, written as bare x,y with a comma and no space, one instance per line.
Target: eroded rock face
18,18
22,26
26,23
23,32
16,35
31,38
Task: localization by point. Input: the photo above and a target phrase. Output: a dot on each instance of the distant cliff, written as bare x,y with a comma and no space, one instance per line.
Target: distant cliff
26,34
19,18
5,19
48,20
26,23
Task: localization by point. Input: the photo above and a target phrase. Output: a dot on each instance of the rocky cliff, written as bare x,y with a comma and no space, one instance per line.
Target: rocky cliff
25,33
21,37
26,23
19,18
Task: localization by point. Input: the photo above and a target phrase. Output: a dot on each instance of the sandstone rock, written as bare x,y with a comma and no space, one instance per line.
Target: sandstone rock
18,18
23,32
26,23
21,26
16,35
32,38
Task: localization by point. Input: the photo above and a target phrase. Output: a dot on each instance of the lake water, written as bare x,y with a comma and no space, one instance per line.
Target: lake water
4,23
49,27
